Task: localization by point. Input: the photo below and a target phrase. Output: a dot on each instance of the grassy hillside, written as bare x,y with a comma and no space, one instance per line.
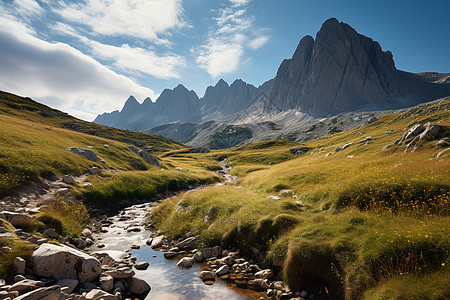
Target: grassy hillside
365,223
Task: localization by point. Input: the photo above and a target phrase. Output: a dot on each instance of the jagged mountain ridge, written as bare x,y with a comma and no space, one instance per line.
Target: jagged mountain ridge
337,72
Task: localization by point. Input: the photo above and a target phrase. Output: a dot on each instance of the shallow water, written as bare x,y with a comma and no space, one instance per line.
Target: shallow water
171,282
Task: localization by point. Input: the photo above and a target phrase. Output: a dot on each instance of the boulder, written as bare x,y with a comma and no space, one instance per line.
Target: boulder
187,244
185,262
198,256
215,251
170,254
97,294
68,179
225,269
142,265
70,284
47,293
121,273
207,276
89,154
157,242
138,286
25,286
286,193
258,284
51,233
94,170
60,262
264,274
16,218
20,265
299,150
106,282
145,155
342,147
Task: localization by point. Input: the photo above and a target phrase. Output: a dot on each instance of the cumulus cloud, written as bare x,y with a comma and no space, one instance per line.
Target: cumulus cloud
235,33
28,8
59,75
142,19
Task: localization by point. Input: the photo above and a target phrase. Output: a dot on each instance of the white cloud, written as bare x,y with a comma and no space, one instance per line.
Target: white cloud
219,57
235,33
28,8
237,3
59,75
144,19
138,59
258,42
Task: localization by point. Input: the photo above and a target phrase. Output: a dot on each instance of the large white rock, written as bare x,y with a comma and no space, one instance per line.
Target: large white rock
59,262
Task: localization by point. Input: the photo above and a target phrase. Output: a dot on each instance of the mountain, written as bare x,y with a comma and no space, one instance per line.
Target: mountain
341,75
178,104
342,71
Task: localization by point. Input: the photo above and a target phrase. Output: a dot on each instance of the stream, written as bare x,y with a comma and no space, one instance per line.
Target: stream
167,281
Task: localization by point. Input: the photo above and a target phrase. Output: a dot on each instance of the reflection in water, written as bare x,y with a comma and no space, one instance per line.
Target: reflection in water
170,282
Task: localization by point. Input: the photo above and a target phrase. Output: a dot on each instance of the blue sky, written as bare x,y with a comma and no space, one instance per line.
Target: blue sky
86,57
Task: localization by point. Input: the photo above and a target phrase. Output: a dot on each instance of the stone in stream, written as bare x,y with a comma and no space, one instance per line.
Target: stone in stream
138,286
70,284
185,262
170,254
142,265
106,282
121,273
48,293
258,284
60,262
223,270
211,252
187,244
157,242
25,286
86,233
264,274
97,294
198,256
207,276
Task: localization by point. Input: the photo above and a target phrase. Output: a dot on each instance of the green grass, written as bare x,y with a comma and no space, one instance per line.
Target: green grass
370,218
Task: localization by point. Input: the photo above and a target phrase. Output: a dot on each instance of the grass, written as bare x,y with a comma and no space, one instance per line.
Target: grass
369,219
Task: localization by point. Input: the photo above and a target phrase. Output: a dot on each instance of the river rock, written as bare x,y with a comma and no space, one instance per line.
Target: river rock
106,282
215,251
225,269
170,254
97,294
264,274
25,286
47,293
198,256
157,242
60,262
142,265
138,286
187,244
185,262
89,154
51,233
16,218
68,179
70,284
207,276
258,284
121,273
20,265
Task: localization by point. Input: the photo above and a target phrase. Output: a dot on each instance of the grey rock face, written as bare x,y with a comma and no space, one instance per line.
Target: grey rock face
89,154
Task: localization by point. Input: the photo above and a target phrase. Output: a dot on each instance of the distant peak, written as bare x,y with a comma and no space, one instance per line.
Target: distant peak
130,103
330,24
131,99
238,82
221,82
147,100
180,86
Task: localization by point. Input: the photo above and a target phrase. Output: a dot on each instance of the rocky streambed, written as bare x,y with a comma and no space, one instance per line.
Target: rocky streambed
119,257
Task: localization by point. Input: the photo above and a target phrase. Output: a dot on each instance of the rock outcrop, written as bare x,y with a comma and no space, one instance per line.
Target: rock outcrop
61,262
